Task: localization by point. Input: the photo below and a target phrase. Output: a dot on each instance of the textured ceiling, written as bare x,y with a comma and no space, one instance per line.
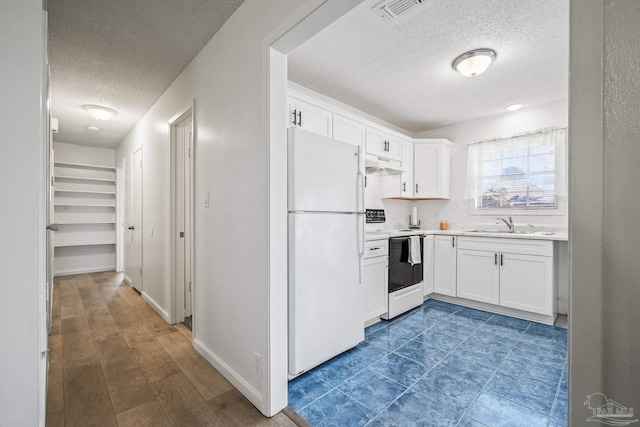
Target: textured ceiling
401,71
121,54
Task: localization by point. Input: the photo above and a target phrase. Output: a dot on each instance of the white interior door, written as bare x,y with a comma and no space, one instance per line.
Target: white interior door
136,220
51,227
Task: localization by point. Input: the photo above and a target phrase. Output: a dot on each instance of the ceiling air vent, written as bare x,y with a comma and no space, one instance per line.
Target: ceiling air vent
392,9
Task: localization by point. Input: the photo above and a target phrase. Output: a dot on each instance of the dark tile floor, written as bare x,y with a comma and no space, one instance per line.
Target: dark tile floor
442,365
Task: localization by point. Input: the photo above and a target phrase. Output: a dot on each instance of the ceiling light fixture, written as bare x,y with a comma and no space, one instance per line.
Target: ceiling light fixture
96,128
100,113
474,62
514,107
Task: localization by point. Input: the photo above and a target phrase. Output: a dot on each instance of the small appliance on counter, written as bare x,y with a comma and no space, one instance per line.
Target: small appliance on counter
414,222
375,216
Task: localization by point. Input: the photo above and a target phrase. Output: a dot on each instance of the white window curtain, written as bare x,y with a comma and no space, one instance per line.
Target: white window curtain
540,158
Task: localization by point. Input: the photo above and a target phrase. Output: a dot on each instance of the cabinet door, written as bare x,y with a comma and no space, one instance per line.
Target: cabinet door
313,118
431,168
350,131
444,265
376,293
427,261
526,282
394,147
376,142
478,276
406,177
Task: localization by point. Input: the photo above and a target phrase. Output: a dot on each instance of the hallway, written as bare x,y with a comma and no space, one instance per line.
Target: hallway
115,361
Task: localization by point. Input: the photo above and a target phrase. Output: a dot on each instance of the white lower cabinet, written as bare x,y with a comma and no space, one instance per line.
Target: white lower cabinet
444,265
375,276
526,282
427,262
513,273
478,276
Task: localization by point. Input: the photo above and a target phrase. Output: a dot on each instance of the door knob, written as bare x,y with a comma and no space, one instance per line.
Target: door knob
52,227
131,228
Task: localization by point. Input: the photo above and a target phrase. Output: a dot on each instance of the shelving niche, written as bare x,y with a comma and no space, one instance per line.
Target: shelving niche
85,210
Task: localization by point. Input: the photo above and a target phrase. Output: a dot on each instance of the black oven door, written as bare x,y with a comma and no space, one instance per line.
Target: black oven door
401,273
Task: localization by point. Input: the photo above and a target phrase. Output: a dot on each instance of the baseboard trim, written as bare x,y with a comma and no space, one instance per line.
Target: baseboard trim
84,271
126,279
254,396
161,311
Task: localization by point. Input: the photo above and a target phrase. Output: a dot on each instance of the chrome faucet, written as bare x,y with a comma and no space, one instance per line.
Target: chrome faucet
509,223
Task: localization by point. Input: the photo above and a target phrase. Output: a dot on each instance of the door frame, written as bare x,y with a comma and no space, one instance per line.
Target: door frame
139,283
178,290
120,214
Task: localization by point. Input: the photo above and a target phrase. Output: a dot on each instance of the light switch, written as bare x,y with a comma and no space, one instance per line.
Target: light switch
206,199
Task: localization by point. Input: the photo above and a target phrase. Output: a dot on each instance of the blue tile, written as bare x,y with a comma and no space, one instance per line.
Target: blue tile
495,342
305,389
480,353
560,408
340,368
432,314
469,369
470,422
564,380
421,352
386,339
413,409
497,329
446,389
372,390
366,353
336,410
439,340
457,331
557,342
465,321
543,355
512,322
380,421
532,394
399,368
372,328
531,370
546,330
496,411
441,305
557,423
480,314
407,329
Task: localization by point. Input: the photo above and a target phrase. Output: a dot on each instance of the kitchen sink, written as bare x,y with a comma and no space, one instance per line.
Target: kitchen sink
541,233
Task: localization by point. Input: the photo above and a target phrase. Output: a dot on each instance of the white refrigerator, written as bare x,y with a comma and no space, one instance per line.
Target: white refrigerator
326,244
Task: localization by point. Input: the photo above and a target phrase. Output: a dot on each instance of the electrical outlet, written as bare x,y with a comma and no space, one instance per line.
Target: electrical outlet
257,360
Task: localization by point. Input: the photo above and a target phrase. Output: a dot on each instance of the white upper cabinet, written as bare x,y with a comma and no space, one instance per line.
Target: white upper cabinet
351,131
382,144
431,168
406,177
310,117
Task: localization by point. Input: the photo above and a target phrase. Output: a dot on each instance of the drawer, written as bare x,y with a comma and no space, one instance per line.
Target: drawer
374,248
501,244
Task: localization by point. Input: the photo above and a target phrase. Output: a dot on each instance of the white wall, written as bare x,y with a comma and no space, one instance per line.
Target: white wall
228,81
21,212
457,211
74,153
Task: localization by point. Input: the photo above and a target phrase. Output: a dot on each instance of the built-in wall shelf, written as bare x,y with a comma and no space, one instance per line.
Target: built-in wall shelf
82,178
85,191
84,209
83,166
84,205
67,244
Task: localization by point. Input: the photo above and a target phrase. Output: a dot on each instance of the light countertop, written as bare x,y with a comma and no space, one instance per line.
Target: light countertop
536,235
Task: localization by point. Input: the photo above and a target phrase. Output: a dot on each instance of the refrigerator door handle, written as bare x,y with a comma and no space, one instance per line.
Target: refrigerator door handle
361,182
361,231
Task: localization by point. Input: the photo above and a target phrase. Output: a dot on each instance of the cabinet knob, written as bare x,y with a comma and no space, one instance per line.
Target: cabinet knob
404,187
299,118
131,228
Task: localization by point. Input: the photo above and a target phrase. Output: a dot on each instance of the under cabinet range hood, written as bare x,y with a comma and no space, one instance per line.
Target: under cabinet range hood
382,166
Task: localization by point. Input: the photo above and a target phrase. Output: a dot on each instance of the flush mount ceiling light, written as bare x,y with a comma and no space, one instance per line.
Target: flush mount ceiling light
95,128
514,107
100,113
474,62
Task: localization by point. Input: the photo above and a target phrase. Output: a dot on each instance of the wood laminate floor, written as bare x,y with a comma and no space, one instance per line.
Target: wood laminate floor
115,362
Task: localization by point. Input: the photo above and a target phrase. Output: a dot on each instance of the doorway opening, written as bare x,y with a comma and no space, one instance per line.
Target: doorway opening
182,249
